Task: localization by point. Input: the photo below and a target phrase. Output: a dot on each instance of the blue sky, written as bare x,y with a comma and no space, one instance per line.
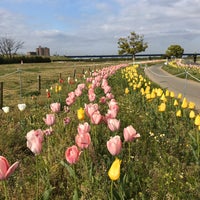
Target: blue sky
92,27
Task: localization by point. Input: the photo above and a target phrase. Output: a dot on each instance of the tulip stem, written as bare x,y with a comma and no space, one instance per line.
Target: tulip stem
5,190
111,191
129,151
37,177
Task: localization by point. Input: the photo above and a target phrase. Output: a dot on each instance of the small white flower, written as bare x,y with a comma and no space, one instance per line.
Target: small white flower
6,109
22,106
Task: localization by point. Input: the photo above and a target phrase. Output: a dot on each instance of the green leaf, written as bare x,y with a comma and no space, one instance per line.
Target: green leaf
69,169
46,194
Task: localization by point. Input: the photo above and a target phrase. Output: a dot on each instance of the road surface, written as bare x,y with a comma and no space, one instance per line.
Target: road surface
188,88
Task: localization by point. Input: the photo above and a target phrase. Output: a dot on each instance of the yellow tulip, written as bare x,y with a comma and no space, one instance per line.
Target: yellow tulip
192,114
175,102
179,96
81,114
167,93
191,105
114,171
184,103
172,94
163,98
126,90
159,92
178,113
162,107
197,120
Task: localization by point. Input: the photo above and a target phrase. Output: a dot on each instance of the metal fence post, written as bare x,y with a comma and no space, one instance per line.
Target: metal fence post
1,95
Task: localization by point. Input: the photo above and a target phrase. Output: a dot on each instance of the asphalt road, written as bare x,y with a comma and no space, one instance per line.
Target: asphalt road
188,88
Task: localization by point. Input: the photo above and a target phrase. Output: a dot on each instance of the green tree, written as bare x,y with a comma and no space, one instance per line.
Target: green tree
133,44
174,50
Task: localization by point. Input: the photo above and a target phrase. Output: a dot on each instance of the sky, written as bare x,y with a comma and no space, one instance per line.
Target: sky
93,27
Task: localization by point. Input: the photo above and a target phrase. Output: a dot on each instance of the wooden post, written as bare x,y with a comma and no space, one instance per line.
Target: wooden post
39,83
74,73
1,95
60,76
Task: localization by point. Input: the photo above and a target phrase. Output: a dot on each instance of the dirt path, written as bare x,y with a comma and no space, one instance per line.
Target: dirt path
189,89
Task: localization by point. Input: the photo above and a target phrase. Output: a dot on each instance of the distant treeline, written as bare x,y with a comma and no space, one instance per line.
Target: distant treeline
23,59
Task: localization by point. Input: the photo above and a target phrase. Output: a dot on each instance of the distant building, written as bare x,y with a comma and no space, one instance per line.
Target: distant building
42,51
31,53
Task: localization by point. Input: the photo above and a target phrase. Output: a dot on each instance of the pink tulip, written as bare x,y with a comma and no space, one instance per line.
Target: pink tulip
102,100
114,145
90,109
78,92
5,169
113,105
34,140
81,86
92,97
107,89
113,124
109,96
130,134
83,128
55,107
72,154
83,140
111,114
48,131
96,117
50,119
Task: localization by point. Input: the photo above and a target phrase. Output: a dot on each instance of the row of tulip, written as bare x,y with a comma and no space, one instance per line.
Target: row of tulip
89,115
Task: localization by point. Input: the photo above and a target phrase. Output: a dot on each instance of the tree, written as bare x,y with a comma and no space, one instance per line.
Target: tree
174,50
133,44
9,46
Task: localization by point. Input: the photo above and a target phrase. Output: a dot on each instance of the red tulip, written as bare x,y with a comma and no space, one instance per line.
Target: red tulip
72,154
130,134
114,145
5,169
34,140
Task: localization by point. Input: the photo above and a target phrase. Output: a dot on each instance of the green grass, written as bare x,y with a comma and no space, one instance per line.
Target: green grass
162,164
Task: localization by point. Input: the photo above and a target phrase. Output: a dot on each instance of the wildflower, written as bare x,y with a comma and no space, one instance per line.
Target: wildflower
114,171
81,114
72,154
5,169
